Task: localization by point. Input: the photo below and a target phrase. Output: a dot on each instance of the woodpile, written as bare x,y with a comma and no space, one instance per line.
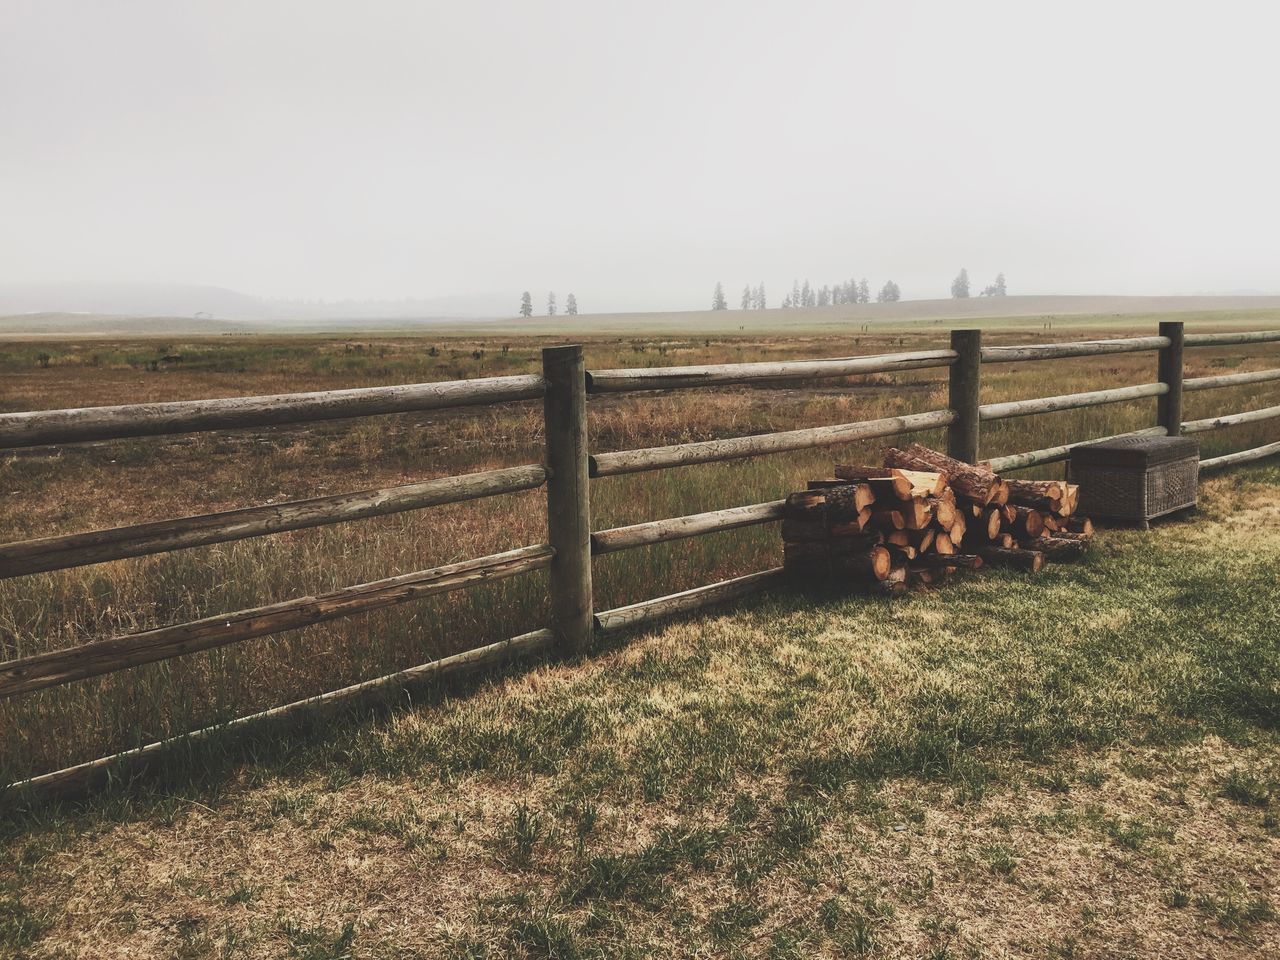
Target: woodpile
920,517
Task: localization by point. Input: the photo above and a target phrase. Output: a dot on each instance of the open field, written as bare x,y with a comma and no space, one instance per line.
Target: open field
1009,313
1083,764
102,485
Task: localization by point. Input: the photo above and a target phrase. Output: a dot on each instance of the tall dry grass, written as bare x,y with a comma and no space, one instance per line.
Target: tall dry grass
99,485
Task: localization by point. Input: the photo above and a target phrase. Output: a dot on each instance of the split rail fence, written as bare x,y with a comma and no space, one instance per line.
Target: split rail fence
565,473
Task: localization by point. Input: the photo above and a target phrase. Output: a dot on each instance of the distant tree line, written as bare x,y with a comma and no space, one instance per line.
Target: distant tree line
526,305
807,295
960,286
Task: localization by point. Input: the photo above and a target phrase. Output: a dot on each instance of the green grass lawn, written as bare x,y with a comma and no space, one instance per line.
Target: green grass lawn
1078,764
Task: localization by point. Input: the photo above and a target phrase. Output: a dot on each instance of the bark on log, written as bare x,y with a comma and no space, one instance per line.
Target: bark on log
968,480
888,520
1061,549
964,560
1029,560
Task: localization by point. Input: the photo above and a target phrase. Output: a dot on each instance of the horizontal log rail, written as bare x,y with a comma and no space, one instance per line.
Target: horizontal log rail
718,375
1241,456
1230,339
1230,420
710,451
678,528
1034,458
97,657
1069,401
651,611
73,781
80,549
1076,348
1231,379
41,427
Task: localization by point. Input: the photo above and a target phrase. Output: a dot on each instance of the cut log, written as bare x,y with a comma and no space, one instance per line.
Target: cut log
893,583
945,511
1030,560
901,554
959,528
920,576
899,538
992,522
871,563
922,540
887,520
799,530
842,500
1022,491
917,513
1006,540
803,551
1061,549
963,560
942,544
1027,522
888,481
1082,525
967,480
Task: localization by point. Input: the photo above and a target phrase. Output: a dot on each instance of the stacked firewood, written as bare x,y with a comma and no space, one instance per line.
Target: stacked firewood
923,515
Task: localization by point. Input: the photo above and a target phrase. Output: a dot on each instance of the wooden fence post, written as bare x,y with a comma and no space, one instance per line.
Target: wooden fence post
964,395
1169,405
568,497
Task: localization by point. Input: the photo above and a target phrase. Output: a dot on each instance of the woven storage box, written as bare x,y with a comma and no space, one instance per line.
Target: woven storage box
1136,478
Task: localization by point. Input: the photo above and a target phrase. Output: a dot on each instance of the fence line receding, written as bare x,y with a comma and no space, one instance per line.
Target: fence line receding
568,466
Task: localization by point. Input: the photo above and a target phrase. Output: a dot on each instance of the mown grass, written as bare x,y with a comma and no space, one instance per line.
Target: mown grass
105,485
1082,763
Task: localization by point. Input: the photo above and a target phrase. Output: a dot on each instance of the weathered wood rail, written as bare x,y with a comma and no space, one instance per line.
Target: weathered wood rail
566,473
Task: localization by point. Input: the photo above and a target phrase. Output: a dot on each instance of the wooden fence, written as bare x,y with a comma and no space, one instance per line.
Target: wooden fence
566,473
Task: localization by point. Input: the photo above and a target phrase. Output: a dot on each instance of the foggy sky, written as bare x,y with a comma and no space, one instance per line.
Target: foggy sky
637,153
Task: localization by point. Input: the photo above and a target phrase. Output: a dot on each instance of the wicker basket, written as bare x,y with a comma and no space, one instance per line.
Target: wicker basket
1136,479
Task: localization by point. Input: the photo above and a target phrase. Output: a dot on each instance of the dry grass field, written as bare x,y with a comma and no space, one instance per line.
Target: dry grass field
101,485
1079,765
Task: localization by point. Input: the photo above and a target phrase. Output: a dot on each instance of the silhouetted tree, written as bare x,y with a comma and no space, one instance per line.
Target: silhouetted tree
889,293
746,297
551,304
795,293
571,305
824,296
762,301
960,285
718,302
526,305
864,291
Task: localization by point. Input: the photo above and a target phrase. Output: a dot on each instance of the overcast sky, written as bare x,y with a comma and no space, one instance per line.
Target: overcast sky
637,153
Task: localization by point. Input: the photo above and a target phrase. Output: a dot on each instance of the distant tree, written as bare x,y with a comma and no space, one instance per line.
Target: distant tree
718,302
864,291
999,287
746,297
571,305
526,305
824,296
806,295
551,304
889,293
786,302
795,293
960,285
762,301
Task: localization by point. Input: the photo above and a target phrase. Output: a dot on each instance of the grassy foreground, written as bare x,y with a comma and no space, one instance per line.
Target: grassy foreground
1083,764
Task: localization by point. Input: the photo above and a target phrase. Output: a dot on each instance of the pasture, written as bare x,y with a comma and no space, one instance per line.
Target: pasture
684,791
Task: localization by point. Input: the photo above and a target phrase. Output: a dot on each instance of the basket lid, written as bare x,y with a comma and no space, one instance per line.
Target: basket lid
1136,451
